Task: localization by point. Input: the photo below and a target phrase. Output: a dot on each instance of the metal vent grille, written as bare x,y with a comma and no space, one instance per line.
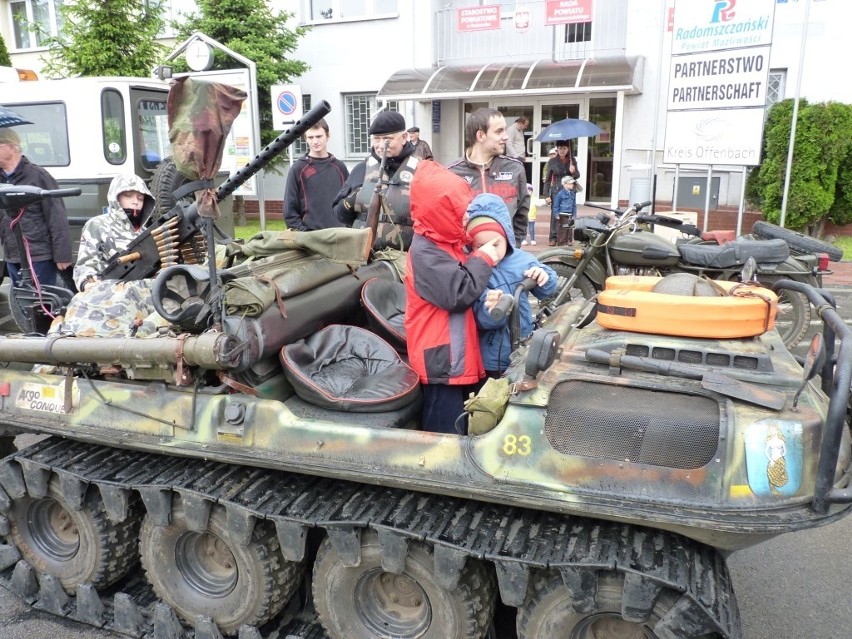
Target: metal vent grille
624,423
743,362
748,363
667,354
637,350
690,357
717,359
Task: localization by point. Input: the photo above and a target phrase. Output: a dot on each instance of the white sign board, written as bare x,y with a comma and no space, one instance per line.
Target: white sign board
719,79
723,24
286,105
723,136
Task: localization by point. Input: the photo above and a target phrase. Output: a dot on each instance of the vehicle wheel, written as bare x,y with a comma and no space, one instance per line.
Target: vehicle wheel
206,574
798,241
76,547
550,614
166,180
365,602
793,318
583,287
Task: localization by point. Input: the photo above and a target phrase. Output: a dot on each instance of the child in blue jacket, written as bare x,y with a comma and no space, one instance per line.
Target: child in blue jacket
488,219
565,207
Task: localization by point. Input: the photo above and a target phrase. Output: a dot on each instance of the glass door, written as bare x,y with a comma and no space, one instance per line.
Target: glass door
548,114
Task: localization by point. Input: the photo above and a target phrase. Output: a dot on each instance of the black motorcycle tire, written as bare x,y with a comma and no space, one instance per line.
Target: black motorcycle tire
564,272
799,242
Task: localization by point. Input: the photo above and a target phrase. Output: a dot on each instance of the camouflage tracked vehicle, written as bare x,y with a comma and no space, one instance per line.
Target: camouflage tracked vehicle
270,477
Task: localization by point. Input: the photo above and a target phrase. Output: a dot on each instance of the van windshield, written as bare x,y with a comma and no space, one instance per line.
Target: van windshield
153,131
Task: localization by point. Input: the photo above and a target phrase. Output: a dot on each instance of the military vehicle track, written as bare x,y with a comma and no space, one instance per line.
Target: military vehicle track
529,551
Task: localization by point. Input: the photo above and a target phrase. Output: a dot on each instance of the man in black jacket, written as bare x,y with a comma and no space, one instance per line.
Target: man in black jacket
312,183
352,203
44,224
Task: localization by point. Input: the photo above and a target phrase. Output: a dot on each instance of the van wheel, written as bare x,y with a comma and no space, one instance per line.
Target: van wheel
166,181
365,602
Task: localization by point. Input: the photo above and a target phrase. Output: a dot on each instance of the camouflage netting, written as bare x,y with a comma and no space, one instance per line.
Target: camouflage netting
200,118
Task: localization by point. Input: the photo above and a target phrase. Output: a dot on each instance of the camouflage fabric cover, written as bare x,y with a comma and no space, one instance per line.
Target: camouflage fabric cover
111,309
200,118
109,234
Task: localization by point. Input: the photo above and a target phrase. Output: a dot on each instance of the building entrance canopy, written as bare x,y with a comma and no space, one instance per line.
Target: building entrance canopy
540,77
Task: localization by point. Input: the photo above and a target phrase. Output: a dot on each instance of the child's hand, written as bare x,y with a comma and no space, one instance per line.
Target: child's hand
492,298
538,274
490,249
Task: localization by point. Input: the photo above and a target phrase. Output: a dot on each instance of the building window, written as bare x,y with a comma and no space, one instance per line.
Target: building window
360,108
323,10
300,147
775,86
35,20
175,11
578,32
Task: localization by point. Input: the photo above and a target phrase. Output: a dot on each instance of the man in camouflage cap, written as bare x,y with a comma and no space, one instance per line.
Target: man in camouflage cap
353,201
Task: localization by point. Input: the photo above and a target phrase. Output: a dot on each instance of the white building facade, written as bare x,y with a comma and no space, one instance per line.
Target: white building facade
436,61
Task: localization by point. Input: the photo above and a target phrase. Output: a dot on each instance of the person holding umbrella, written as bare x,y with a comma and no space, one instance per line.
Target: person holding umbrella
558,167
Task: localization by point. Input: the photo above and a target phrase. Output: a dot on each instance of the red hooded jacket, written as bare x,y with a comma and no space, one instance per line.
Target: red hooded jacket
441,282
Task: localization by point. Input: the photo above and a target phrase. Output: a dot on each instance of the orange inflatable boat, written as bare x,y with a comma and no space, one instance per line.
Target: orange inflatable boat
629,303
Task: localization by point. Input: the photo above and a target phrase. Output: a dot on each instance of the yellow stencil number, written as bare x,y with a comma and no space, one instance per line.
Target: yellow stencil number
513,445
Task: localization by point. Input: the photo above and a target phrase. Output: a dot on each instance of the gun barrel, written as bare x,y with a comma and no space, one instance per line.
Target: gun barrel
272,149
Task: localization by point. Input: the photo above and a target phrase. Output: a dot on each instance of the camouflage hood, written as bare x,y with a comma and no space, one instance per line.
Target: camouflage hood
129,182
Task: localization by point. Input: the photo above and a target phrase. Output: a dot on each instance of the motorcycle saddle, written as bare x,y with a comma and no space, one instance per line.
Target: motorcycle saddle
735,253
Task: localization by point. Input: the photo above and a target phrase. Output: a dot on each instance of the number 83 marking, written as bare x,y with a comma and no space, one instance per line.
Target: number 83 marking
513,445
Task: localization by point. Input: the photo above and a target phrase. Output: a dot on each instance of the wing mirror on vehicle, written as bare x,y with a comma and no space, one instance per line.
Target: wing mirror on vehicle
814,361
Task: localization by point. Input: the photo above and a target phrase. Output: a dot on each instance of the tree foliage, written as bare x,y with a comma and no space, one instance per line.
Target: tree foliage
252,29
5,60
821,174
118,37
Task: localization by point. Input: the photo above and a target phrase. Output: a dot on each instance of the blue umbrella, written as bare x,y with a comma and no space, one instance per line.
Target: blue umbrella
10,118
568,129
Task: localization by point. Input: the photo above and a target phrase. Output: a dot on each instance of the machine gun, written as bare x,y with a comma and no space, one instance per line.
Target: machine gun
178,236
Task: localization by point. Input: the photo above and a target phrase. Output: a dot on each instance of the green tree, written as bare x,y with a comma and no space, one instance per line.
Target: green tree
118,37
5,60
821,174
252,29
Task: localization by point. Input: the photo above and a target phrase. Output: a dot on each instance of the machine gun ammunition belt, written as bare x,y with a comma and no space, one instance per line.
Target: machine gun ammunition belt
516,540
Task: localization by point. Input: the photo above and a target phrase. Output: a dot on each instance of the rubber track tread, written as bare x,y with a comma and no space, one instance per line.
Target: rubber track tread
492,532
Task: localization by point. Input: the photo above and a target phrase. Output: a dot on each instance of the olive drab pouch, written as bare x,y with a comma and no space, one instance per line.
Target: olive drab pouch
486,408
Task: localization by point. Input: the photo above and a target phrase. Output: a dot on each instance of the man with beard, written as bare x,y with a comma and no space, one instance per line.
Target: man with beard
387,136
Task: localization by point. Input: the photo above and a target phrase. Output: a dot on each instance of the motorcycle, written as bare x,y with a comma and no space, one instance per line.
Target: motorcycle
623,243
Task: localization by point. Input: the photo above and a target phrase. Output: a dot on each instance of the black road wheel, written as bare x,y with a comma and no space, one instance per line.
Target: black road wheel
583,287
76,547
365,602
794,315
550,614
206,574
166,180
798,241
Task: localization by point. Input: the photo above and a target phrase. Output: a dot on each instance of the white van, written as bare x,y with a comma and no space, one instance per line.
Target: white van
85,131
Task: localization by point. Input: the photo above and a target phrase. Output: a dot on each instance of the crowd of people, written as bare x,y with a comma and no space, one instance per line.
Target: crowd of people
462,227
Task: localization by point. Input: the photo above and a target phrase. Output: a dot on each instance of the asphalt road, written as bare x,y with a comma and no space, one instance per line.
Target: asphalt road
796,586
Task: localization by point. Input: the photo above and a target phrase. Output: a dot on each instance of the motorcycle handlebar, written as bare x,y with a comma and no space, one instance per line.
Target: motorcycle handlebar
506,302
21,195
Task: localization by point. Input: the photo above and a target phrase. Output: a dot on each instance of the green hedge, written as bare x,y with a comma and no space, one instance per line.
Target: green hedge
821,175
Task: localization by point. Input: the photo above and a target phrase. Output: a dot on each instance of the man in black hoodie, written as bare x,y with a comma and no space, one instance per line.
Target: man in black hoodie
353,201
312,182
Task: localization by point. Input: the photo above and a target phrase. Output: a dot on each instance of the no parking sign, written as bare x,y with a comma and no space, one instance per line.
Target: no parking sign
286,105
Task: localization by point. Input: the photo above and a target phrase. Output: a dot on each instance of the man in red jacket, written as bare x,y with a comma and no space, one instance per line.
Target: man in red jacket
442,283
